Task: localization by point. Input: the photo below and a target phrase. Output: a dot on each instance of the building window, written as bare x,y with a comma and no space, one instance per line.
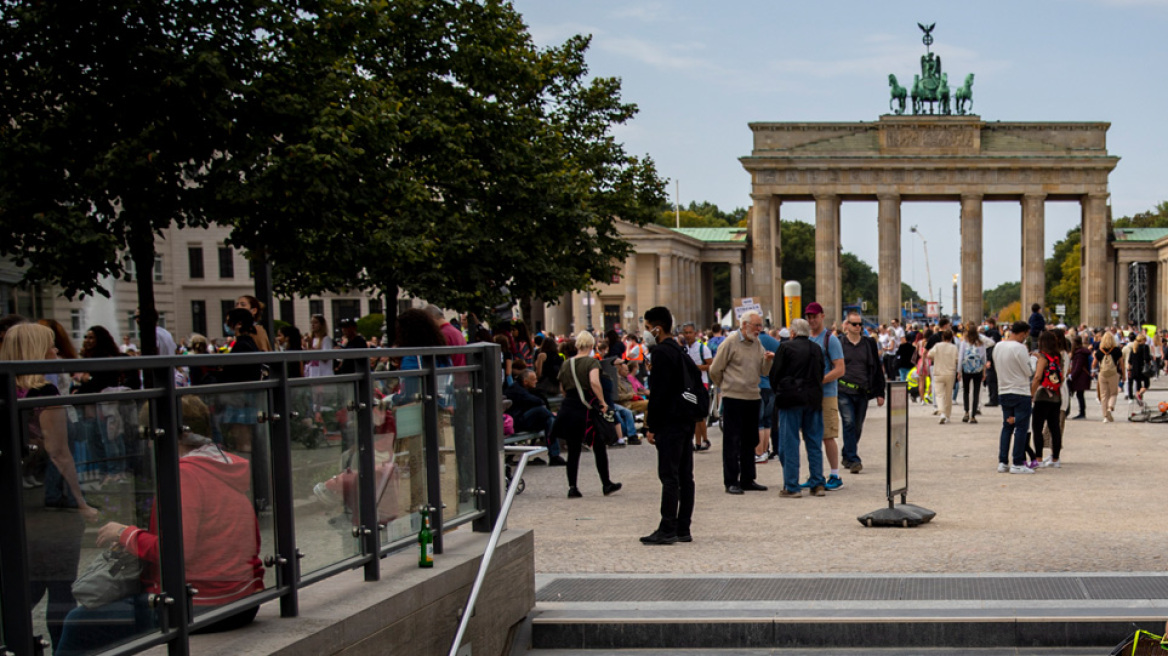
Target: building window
131,270
316,307
226,263
75,324
251,268
131,324
346,309
161,319
226,307
195,256
199,317
375,306
288,311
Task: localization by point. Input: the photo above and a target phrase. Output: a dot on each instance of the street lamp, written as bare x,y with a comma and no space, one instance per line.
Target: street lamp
955,296
928,273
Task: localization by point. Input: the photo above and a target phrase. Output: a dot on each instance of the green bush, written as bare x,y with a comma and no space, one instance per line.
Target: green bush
370,325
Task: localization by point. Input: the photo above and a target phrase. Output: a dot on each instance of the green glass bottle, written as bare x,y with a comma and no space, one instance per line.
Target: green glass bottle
425,541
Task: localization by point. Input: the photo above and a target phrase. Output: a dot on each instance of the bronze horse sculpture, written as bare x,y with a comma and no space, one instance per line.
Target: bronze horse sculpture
899,94
965,95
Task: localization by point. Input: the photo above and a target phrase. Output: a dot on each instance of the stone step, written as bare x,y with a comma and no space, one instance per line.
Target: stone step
753,613
947,651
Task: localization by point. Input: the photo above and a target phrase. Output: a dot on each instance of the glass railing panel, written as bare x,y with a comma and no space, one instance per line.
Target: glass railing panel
400,450
456,444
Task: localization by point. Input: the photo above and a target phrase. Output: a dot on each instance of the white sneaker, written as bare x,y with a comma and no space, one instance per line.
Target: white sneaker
1047,462
1020,469
944,420
1003,468
1056,464
762,458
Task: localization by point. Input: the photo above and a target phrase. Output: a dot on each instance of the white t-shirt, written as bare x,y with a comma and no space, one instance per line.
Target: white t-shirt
887,343
319,368
1015,368
699,353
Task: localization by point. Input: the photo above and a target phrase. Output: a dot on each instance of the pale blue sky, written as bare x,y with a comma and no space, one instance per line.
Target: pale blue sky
701,71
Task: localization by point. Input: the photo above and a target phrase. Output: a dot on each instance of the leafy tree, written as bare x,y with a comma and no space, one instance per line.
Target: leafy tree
1010,313
109,110
1068,287
1157,218
859,281
702,214
446,156
798,249
999,297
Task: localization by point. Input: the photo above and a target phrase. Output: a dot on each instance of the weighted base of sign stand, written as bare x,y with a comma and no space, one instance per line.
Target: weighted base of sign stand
904,515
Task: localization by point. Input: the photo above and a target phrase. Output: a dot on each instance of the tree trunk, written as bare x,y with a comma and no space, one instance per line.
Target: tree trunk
142,253
263,291
390,291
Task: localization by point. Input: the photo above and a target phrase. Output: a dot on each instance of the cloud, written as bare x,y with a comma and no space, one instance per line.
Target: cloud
880,57
649,12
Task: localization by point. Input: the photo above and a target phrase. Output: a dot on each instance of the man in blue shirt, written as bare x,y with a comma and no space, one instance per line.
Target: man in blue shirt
767,449
833,370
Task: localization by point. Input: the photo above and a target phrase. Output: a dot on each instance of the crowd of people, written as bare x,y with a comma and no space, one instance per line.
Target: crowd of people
782,394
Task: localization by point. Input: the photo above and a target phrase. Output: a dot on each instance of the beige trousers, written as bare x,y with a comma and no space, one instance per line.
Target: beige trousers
1108,393
943,392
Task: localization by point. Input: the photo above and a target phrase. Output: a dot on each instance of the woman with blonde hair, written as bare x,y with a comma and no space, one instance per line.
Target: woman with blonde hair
1109,360
319,341
574,414
55,526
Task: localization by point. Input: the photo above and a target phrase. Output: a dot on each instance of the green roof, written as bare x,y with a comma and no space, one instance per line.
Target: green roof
714,234
1140,234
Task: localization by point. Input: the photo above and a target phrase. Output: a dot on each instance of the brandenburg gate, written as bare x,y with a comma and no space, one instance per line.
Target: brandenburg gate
929,157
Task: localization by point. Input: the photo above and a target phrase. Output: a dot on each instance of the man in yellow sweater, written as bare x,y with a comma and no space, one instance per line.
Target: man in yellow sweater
740,360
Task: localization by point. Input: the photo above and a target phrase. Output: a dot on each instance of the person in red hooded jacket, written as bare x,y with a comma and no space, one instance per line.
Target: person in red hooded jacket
221,544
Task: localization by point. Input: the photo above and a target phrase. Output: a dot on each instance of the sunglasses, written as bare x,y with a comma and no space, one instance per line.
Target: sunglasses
856,323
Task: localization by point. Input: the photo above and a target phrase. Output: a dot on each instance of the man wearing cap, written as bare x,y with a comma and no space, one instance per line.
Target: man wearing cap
353,340
833,370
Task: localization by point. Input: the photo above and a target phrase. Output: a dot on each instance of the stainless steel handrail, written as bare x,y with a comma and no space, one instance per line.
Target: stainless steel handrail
528,453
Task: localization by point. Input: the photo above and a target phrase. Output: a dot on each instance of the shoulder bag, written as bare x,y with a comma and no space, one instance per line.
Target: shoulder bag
114,574
598,424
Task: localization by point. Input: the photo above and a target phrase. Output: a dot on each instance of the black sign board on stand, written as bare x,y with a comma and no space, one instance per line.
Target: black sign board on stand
902,514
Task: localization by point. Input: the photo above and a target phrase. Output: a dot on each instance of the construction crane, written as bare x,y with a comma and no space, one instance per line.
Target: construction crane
928,274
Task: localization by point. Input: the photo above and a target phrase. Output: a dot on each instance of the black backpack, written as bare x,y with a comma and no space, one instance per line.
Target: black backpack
694,402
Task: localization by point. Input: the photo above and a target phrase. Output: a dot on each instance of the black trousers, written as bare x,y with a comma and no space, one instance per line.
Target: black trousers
991,381
675,467
970,382
739,440
1048,414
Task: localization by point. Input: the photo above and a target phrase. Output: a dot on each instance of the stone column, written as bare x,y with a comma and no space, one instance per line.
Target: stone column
761,281
1033,263
735,282
971,246
708,293
683,288
775,304
1093,297
1124,288
631,300
665,291
827,289
889,274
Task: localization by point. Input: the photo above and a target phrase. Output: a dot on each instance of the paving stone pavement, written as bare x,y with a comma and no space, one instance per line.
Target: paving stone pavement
1102,512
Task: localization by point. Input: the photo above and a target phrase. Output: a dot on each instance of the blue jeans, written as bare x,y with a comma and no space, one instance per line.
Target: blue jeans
1018,407
627,420
791,421
766,409
853,408
904,373
93,629
540,419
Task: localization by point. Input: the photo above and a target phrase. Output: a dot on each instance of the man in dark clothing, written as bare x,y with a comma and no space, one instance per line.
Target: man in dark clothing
671,433
862,381
353,340
529,408
942,326
1037,322
991,374
797,379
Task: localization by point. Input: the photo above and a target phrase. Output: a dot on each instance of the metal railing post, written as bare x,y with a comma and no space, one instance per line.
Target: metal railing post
171,603
492,400
367,478
433,464
16,609
486,464
287,563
